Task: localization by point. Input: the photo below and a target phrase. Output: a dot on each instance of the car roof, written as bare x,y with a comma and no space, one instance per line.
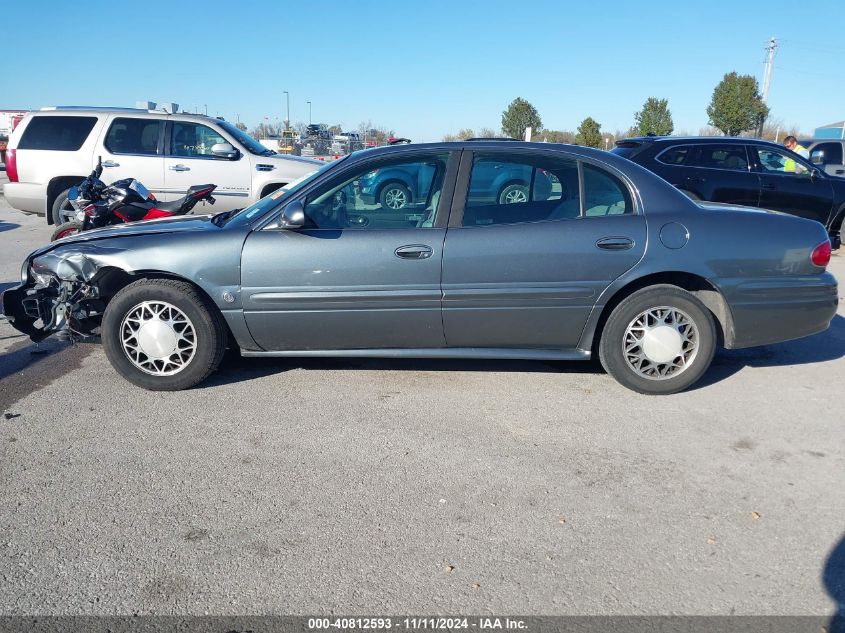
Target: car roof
684,140
509,145
88,110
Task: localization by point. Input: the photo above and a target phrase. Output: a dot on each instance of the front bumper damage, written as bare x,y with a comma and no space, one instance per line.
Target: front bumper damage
58,295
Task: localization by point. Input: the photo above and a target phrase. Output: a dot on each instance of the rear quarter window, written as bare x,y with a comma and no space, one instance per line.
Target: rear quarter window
58,133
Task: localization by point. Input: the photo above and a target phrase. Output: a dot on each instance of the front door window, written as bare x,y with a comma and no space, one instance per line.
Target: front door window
397,194
192,140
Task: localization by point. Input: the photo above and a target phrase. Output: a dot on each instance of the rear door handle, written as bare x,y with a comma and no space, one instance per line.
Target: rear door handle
615,243
179,167
413,251
111,163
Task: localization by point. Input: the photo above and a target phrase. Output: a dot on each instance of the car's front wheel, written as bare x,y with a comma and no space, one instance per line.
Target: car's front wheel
659,340
162,335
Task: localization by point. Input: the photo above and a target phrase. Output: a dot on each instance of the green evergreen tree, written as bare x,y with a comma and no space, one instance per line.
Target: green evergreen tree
654,118
736,105
520,115
589,133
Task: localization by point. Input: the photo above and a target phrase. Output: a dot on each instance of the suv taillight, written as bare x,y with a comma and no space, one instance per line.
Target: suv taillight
11,165
821,254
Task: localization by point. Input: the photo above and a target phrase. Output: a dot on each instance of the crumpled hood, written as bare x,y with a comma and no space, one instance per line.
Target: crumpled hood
177,224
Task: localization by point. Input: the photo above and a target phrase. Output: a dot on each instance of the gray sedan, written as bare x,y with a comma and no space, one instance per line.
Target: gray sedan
599,257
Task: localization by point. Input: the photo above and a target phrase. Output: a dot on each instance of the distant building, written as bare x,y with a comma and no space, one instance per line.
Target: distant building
832,130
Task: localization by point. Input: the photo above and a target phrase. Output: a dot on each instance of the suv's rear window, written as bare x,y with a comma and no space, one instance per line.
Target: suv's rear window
61,133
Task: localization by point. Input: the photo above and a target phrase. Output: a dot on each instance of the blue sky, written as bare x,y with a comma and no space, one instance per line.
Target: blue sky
423,68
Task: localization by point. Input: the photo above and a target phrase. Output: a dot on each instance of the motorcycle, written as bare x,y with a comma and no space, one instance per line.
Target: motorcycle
96,204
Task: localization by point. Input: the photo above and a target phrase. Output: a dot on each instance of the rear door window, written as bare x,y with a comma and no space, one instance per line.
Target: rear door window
57,133
513,188
675,156
134,136
730,157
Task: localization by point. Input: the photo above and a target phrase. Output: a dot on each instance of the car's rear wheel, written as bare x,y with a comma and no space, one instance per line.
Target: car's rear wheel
63,230
394,196
659,340
62,210
162,335
513,194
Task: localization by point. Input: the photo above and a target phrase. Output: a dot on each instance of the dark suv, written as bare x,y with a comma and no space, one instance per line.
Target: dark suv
742,171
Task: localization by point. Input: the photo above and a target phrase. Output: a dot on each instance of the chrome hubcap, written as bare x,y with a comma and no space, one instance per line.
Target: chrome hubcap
515,195
395,198
158,338
660,343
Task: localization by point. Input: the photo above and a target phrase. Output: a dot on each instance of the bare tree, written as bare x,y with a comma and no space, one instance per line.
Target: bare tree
486,132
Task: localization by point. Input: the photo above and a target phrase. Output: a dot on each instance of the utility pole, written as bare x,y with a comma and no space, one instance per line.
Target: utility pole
287,120
771,47
309,112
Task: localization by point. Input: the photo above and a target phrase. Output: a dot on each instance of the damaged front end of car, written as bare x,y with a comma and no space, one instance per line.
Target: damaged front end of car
58,295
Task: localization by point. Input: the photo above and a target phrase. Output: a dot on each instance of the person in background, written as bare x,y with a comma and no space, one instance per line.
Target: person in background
791,143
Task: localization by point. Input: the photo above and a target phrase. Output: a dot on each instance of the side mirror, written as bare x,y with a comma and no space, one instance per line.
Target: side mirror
817,157
293,216
224,150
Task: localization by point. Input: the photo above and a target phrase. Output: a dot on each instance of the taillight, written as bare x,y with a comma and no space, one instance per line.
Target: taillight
11,165
821,254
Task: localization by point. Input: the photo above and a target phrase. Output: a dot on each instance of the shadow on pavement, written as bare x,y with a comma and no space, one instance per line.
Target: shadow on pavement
821,347
825,346
833,577
234,368
8,226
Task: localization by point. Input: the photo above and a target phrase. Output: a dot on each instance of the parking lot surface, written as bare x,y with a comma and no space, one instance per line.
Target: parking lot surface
366,486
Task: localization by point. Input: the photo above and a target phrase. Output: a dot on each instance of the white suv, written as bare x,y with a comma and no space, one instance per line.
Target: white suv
55,148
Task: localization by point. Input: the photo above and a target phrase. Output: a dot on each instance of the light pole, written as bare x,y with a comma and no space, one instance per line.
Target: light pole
206,109
309,112
287,99
606,142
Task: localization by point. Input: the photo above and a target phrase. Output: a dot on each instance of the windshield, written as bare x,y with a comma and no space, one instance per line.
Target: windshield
252,146
270,201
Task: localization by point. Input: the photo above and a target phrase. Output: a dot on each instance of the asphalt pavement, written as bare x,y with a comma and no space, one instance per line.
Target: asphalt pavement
367,486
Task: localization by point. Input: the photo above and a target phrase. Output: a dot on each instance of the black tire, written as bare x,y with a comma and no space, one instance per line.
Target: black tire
61,204
612,346
393,193
63,230
205,319
514,190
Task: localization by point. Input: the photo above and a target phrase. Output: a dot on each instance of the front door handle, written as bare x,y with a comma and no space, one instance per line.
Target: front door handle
110,163
413,251
179,167
615,243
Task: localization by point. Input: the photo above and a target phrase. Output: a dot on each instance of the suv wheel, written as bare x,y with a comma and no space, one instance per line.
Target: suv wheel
660,340
513,194
394,196
62,210
162,335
